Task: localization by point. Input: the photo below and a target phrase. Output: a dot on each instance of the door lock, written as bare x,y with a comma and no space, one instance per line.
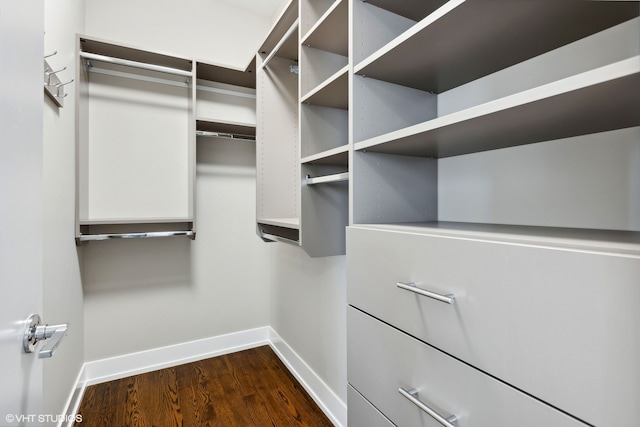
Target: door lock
35,332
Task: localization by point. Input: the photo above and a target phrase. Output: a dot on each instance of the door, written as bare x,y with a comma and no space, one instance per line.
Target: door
21,110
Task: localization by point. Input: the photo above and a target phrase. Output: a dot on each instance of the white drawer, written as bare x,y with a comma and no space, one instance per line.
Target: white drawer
556,323
381,360
362,413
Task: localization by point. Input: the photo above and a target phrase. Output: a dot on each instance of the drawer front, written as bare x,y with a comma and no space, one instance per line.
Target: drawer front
559,324
362,413
381,360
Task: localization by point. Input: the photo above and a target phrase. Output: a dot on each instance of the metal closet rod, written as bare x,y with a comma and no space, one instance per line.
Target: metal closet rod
99,237
275,238
143,65
225,135
282,41
338,177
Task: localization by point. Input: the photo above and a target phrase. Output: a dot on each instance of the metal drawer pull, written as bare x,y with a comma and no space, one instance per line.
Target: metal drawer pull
451,421
449,298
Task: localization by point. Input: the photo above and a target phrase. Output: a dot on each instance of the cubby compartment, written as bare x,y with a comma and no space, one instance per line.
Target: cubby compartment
586,182
323,130
324,214
319,69
322,17
378,22
225,103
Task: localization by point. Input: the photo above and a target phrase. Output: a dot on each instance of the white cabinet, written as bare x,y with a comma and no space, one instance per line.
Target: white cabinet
495,165
536,317
404,378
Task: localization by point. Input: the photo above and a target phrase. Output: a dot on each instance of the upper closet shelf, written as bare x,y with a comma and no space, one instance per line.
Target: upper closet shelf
465,40
333,92
217,73
330,32
123,55
599,100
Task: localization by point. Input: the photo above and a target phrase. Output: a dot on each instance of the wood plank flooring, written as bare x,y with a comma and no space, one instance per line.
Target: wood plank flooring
247,388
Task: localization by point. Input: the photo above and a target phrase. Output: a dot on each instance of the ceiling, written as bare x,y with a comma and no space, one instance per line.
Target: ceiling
266,8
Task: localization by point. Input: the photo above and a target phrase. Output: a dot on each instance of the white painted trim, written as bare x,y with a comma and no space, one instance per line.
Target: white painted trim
327,400
114,368
118,367
74,400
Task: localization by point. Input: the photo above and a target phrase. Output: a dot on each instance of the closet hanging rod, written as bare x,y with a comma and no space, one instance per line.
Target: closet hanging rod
327,178
143,65
274,238
100,237
282,41
225,135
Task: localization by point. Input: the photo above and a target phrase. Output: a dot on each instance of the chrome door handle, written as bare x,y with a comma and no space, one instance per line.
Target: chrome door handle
35,332
412,396
412,287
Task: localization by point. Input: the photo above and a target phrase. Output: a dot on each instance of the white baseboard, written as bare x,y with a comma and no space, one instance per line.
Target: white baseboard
118,367
321,393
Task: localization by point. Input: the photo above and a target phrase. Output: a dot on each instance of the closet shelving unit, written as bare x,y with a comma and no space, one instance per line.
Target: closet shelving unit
225,101
324,125
448,50
509,125
278,168
135,141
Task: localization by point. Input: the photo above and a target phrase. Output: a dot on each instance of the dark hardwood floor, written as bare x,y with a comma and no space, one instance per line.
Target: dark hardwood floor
247,388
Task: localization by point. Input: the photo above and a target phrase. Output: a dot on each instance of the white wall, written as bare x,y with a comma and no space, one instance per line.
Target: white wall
308,310
145,294
62,297
209,30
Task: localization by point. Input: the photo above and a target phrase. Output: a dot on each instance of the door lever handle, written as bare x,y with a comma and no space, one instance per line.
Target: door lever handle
35,332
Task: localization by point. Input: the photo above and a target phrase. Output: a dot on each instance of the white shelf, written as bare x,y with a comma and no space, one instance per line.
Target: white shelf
333,92
471,40
599,100
330,32
412,9
335,156
292,223
604,241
